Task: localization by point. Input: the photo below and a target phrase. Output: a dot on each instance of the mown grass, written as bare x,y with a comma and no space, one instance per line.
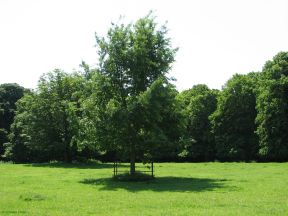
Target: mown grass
178,189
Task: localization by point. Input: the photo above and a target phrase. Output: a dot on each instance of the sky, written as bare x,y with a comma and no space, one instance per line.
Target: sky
216,39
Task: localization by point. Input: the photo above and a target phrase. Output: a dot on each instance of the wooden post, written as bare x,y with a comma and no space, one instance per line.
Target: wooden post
152,165
114,169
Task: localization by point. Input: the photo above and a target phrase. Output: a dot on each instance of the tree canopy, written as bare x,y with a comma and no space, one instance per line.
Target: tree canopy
47,123
233,122
272,107
198,104
10,93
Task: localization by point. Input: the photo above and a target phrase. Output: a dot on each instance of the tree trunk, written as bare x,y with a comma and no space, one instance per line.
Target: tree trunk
132,160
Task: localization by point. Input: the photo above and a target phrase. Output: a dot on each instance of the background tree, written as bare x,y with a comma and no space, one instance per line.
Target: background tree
47,121
160,122
131,59
233,122
198,104
16,149
272,107
10,93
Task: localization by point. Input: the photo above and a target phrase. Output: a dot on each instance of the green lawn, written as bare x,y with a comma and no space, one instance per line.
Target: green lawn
179,189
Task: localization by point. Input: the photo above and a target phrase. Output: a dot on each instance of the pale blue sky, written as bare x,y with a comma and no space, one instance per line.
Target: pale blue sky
216,38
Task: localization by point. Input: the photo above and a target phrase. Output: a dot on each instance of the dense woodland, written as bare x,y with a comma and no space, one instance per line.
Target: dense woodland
128,109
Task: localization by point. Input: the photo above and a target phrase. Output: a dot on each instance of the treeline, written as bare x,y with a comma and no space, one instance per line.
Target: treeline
247,120
126,109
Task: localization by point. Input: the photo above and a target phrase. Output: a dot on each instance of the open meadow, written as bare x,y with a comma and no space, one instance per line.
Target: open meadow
178,189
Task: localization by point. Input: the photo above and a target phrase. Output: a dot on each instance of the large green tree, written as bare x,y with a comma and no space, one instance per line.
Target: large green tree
272,107
47,120
10,93
198,104
131,85
233,122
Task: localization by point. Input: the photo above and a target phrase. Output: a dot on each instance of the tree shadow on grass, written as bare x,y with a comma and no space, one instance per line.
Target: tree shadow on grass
159,184
75,165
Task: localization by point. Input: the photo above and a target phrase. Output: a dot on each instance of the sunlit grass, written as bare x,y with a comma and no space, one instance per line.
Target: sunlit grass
178,189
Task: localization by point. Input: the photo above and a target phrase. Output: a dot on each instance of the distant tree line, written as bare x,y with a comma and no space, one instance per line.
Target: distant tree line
127,109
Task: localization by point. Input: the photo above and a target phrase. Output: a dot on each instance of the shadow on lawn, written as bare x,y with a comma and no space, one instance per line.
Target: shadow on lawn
75,165
169,183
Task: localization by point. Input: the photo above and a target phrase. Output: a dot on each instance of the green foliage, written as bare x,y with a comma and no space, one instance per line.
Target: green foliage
10,93
16,150
160,121
134,56
272,107
152,121
46,123
198,104
233,122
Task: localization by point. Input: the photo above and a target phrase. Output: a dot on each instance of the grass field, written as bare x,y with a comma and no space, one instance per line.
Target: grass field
179,189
